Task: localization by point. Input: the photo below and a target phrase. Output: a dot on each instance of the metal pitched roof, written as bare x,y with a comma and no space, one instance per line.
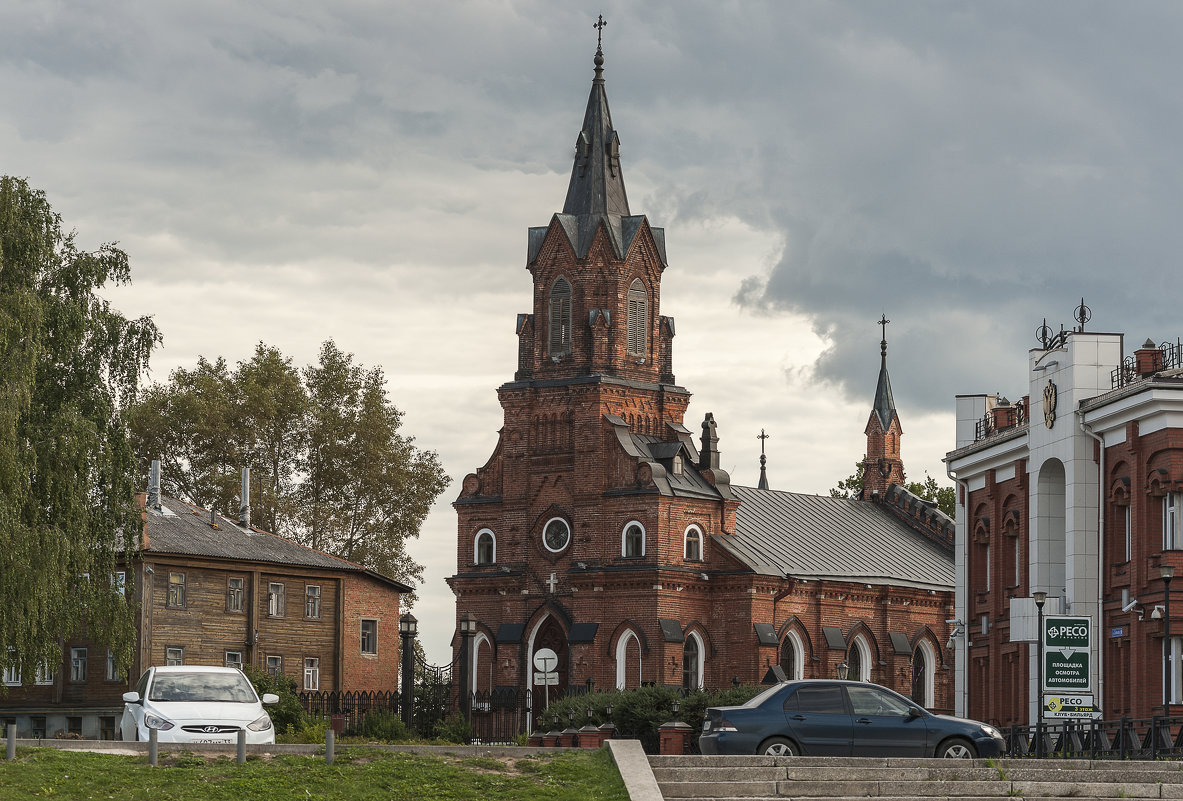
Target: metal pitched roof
814,537
184,529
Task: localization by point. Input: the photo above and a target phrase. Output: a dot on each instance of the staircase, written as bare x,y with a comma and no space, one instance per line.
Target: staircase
750,778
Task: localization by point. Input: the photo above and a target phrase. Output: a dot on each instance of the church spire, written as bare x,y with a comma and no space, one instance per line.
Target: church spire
884,402
763,460
597,185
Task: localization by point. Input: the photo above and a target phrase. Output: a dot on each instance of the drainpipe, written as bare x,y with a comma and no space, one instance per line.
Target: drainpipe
1100,438
961,700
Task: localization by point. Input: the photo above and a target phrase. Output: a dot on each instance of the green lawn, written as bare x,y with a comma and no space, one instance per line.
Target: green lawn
358,774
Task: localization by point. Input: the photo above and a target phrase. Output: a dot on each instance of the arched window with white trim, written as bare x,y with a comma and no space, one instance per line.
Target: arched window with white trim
628,661
792,656
559,318
693,662
484,549
692,548
858,660
638,319
923,663
632,540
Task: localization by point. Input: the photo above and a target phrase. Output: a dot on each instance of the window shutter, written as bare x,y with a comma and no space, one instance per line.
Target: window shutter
638,319
559,315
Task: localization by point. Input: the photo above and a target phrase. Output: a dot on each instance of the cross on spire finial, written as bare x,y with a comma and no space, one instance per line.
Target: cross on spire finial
762,436
599,59
763,460
883,321
599,26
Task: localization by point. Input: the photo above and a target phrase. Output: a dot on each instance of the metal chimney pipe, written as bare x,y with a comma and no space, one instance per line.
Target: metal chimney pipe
244,509
154,485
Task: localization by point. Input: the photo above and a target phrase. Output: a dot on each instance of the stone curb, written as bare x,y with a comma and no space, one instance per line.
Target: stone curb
633,764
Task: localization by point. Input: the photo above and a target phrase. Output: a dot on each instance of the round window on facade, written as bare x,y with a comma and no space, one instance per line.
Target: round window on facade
557,534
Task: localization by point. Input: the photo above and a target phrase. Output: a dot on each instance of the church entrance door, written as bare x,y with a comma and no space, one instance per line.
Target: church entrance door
550,635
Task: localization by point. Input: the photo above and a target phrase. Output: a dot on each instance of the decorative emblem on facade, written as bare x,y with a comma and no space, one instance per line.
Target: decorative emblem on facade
1049,404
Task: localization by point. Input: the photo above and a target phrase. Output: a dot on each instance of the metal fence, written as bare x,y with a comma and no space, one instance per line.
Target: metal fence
1158,737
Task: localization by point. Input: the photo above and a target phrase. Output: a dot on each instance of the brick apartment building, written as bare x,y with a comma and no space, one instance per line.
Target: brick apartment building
209,590
1074,491
603,528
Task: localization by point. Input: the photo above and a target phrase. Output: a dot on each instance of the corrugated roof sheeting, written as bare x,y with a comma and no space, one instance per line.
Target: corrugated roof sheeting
815,536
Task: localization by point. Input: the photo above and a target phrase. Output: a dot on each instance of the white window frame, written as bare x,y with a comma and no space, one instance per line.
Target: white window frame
312,601
570,535
174,656
273,664
1175,668
794,641
12,673
312,673
1171,539
1128,519
986,549
699,659
78,659
362,636
112,673
1018,561
276,599
45,676
929,655
624,539
476,547
864,652
232,659
622,659
701,543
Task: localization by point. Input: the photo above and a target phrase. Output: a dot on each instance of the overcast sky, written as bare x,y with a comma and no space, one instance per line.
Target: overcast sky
291,171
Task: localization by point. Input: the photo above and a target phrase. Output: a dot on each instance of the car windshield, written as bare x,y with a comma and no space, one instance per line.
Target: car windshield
232,687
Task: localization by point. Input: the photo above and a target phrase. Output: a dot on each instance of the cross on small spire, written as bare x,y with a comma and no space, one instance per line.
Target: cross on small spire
762,436
599,26
883,321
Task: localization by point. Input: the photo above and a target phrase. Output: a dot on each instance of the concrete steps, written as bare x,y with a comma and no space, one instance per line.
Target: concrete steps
755,778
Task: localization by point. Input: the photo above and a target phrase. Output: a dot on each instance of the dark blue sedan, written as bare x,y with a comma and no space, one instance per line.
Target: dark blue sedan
842,718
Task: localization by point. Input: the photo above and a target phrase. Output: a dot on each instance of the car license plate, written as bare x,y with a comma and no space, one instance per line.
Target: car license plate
213,740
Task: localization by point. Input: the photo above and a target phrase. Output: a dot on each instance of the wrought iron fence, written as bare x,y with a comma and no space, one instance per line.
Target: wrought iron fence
1127,371
985,426
1126,738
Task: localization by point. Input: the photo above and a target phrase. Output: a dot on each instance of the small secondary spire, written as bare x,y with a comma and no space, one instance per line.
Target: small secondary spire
763,460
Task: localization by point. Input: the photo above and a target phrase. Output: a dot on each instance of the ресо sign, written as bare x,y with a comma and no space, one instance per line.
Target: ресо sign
1066,655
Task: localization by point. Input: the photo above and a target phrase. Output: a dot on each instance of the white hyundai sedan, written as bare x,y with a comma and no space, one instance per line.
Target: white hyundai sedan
196,704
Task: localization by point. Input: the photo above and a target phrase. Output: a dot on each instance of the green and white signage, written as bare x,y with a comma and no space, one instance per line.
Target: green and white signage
1066,654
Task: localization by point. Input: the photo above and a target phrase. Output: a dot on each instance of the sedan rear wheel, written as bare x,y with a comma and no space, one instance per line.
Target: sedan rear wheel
778,746
956,749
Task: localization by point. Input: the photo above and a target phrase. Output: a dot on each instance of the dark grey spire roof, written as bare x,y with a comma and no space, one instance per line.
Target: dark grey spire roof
597,184
884,403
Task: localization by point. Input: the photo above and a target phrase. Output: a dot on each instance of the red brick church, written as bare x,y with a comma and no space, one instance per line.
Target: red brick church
603,528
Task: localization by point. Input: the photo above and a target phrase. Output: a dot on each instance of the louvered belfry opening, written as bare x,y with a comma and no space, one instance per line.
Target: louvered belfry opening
559,314
638,319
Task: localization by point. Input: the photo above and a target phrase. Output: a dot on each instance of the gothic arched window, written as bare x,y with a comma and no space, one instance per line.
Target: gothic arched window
638,319
692,659
559,316
486,548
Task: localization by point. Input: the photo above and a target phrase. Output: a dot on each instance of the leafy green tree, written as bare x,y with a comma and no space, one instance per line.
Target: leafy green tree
330,466
69,363
945,497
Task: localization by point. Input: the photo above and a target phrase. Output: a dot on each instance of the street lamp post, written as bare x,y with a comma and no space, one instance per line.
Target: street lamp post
1040,600
467,631
842,671
1167,572
408,626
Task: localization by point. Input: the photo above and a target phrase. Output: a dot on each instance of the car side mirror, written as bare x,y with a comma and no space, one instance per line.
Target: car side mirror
914,712
132,697
270,698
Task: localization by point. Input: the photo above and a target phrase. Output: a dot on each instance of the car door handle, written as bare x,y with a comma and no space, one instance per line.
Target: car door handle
864,721
798,717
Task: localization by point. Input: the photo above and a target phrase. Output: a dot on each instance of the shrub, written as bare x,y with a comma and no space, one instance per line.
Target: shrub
309,731
380,724
454,729
288,715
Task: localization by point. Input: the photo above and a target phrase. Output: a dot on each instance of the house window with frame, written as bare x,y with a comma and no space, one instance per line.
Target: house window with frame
312,673
634,540
174,656
312,601
12,673
276,602
1172,538
119,582
693,544
638,319
234,593
485,551
559,319
176,589
275,665
1018,561
112,668
1174,669
369,637
691,670
44,676
233,659
77,665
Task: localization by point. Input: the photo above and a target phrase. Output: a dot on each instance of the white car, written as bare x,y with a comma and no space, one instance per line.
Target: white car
196,704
